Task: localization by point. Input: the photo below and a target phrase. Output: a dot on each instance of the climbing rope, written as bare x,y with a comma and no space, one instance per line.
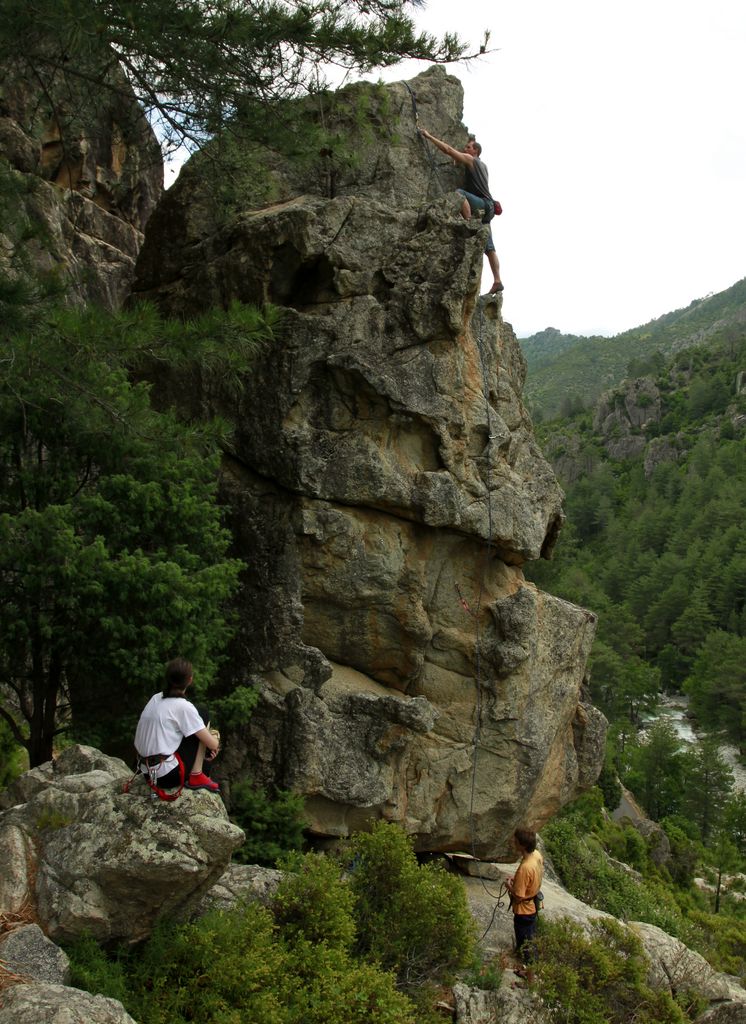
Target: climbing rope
475,613
477,609
428,152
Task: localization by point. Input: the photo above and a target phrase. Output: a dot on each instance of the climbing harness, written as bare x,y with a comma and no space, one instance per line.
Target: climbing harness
152,764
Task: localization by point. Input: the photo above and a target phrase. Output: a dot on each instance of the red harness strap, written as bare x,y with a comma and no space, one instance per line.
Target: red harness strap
160,793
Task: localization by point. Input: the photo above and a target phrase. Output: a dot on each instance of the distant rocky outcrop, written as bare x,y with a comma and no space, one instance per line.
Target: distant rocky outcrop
621,416
385,489
89,173
80,855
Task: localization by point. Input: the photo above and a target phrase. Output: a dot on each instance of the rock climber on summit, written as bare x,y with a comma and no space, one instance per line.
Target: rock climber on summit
476,193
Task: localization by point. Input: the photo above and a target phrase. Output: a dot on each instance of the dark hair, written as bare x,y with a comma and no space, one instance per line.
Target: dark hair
526,839
476,145
178,673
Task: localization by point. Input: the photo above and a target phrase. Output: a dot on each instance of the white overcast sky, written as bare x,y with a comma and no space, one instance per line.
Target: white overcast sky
615,136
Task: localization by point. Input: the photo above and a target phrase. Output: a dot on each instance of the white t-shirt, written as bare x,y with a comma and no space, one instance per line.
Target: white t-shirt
164,723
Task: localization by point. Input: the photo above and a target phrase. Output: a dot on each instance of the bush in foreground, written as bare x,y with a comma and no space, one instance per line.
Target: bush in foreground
600,978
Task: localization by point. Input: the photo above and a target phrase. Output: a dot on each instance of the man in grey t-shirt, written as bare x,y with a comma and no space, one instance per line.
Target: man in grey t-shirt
476,192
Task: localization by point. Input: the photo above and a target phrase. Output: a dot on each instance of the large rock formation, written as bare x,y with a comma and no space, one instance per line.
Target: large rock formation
385,489
80,855
87,172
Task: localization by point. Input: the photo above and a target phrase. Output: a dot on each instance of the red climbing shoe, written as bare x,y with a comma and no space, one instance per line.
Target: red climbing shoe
198,780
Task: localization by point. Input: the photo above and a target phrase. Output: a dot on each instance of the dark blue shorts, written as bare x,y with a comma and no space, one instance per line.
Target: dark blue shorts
479,205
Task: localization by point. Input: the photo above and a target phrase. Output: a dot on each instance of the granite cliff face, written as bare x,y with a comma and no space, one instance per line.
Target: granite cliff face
385,489
88,172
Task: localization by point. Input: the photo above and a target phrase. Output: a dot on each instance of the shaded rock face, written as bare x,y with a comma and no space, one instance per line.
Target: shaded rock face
88,857
92,173
385,489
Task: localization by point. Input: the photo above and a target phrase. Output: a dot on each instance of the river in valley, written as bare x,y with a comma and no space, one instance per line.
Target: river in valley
675,710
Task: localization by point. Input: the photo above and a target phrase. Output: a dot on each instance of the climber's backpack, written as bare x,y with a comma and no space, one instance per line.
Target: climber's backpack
492,211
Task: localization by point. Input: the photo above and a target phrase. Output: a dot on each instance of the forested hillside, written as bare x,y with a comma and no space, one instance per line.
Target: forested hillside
655,478
568,372
654,543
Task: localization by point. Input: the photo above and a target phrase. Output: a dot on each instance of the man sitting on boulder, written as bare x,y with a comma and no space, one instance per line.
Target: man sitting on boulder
476,193
171,729
523,887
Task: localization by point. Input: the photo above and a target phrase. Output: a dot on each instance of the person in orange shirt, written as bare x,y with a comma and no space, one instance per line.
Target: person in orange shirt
523,887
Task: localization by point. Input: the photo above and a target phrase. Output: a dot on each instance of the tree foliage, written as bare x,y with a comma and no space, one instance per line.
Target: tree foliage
411,919
197,67
273,822
112,553
238,966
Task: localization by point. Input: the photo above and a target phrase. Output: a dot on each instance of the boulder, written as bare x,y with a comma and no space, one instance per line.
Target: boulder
657,841
239,882
675,967
27,951
89,857
44,1003
634,404
93,141
386,488
507,1005
621,415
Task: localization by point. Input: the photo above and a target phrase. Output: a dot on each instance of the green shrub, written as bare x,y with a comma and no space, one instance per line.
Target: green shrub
234,968
93,971
598,979
723,941
585,871
413,920
13,758
686,849
487,976
624,843
314,903
273,826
